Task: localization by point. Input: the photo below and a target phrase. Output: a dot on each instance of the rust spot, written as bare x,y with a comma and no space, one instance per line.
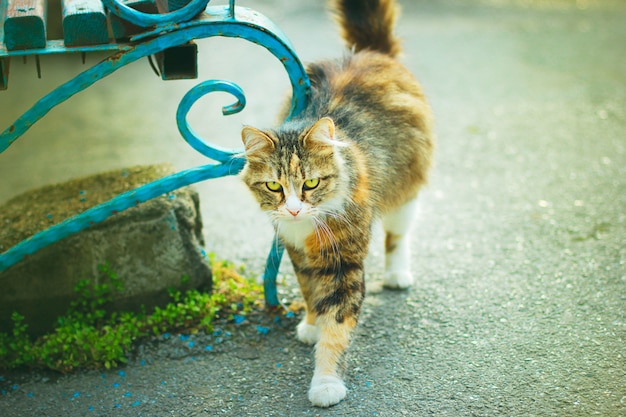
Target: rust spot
116,56
11,128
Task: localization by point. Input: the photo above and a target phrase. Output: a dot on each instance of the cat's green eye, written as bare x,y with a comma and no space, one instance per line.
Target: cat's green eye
273,186
311,183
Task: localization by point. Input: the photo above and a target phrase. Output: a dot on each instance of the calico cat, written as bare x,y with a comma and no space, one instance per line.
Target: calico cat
360,150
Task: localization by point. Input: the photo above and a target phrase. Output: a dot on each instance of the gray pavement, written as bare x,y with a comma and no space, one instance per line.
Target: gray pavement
520,247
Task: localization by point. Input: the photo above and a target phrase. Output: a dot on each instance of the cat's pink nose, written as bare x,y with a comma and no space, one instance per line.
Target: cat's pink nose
294,212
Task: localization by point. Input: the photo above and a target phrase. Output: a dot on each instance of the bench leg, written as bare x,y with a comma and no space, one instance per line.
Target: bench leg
4,73
271,272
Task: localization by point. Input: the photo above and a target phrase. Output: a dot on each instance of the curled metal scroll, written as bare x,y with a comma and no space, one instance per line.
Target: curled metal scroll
211,151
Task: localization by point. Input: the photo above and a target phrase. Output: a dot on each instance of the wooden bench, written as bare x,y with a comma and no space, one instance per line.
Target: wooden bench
85,25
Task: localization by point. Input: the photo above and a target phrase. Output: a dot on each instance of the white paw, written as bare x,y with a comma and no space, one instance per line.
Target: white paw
326,391
307,333
398,280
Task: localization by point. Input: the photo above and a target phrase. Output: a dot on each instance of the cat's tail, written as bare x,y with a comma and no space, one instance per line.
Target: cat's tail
368,24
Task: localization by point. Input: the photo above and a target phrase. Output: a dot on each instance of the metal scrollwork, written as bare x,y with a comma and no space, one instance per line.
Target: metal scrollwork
211,151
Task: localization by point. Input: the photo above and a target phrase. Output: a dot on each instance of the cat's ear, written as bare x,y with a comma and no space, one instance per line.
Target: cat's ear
321,137
257,143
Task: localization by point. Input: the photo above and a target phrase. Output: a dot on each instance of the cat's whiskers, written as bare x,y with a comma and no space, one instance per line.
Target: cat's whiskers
339,215
318,235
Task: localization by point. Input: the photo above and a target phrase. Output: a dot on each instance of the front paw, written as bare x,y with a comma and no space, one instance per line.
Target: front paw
307,333
398,280
326,391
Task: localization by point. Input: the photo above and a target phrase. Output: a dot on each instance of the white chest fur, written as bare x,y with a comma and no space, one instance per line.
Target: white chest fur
295,232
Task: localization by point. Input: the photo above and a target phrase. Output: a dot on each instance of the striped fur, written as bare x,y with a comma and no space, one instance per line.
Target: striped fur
364,141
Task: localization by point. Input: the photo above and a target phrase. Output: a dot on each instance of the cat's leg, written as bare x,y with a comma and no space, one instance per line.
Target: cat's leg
327,386
338,309
307,331
397,224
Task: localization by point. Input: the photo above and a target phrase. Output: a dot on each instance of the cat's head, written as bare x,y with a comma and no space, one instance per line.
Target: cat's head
295,173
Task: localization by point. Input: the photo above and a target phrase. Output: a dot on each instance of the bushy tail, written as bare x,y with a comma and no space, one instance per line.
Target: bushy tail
368,24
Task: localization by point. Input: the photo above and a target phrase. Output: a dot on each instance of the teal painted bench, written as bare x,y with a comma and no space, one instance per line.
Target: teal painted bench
131,30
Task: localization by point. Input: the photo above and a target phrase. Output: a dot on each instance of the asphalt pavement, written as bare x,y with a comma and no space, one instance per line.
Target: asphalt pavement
520,251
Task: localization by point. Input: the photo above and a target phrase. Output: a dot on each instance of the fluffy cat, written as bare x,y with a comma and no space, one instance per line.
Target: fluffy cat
360,150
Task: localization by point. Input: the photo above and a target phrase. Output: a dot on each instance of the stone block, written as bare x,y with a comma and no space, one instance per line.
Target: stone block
152,247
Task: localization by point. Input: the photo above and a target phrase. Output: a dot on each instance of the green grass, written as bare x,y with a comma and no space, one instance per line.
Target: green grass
87,337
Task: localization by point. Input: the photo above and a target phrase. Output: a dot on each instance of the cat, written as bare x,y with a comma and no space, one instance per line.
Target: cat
359,151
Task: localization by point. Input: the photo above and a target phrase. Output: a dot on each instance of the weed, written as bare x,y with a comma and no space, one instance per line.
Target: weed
88,337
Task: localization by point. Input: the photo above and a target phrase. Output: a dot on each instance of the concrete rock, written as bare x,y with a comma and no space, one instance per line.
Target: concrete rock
152,247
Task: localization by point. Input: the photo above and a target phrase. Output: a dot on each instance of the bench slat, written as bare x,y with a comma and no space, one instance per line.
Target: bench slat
25,24
84,23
